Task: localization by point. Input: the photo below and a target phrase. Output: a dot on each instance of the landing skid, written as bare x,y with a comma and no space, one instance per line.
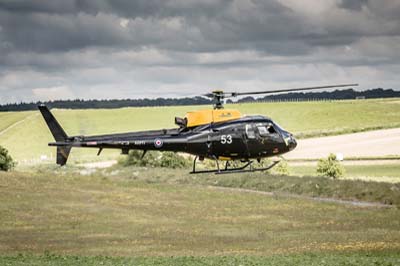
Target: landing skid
228,170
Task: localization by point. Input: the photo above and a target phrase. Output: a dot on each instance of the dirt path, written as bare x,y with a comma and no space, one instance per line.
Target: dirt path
287,195
372,143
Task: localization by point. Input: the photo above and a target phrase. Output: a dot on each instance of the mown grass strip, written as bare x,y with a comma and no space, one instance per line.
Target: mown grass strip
308,259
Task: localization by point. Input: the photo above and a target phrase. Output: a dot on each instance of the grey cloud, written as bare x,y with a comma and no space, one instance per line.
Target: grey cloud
103,44
46,6
387,10
44,33
205,26
124,8
353,4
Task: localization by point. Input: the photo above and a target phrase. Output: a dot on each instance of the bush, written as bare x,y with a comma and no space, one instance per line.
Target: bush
173,160
155,159
134,158
282,168
330,167
6,161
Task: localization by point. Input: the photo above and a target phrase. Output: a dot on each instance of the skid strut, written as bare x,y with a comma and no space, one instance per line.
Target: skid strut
227,170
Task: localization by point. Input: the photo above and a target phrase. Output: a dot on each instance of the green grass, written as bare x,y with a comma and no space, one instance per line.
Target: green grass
312,186
138,216
28,140
362,258
67,214
9,118
373,172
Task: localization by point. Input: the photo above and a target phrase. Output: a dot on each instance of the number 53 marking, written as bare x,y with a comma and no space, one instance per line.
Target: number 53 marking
226,139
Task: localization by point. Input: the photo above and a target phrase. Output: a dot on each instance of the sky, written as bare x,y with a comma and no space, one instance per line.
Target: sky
112,49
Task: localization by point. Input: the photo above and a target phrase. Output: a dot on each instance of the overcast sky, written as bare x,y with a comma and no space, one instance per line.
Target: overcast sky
67,49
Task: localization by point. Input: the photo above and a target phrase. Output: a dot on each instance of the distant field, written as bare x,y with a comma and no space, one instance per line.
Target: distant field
28,140
58,212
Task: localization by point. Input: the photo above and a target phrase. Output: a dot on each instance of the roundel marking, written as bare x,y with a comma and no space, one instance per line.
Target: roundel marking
158,143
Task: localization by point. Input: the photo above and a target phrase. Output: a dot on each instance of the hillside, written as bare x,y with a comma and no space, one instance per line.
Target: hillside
27,140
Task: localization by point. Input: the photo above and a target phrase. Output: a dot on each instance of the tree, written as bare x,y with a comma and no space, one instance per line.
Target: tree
6,161
330,167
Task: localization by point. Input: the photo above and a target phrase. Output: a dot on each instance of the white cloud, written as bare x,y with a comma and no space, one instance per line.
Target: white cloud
123,22
53,93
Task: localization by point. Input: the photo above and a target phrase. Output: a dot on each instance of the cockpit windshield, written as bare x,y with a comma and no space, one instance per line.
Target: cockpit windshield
277,126
284,133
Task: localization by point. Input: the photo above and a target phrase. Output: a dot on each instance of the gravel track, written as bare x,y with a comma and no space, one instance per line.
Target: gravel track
365,144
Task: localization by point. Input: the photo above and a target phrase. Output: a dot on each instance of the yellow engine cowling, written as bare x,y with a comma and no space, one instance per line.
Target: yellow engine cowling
203,117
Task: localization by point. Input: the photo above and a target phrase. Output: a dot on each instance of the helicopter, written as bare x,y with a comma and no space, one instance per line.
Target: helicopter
218,134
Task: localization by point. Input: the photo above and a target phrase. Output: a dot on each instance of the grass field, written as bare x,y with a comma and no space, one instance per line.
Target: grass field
28,140
373,172
310,186
9,118
67,214
153,216
317,259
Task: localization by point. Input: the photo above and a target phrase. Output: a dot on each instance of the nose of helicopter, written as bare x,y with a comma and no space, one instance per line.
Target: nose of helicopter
292,143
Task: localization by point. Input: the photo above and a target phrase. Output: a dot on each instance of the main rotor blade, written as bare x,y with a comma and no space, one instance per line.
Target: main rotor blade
233,94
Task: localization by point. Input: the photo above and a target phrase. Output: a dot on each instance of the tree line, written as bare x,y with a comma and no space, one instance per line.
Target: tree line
326,95
119,103
105,104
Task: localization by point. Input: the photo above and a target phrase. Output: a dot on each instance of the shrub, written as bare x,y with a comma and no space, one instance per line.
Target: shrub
134,158
282,168
330,167
155,159
173,160
6,161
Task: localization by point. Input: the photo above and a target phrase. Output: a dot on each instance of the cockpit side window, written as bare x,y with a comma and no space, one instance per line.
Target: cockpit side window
266,129
262,130
250,132
271,129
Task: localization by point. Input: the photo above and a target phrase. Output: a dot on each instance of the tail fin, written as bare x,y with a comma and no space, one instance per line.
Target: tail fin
58,134
55,128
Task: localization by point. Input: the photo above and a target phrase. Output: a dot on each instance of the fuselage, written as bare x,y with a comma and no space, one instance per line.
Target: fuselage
239,139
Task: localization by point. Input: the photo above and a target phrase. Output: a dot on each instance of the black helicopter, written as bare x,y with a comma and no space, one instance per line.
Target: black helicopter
216,134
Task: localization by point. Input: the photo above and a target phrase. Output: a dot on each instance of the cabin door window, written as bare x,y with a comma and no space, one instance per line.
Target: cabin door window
250,133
